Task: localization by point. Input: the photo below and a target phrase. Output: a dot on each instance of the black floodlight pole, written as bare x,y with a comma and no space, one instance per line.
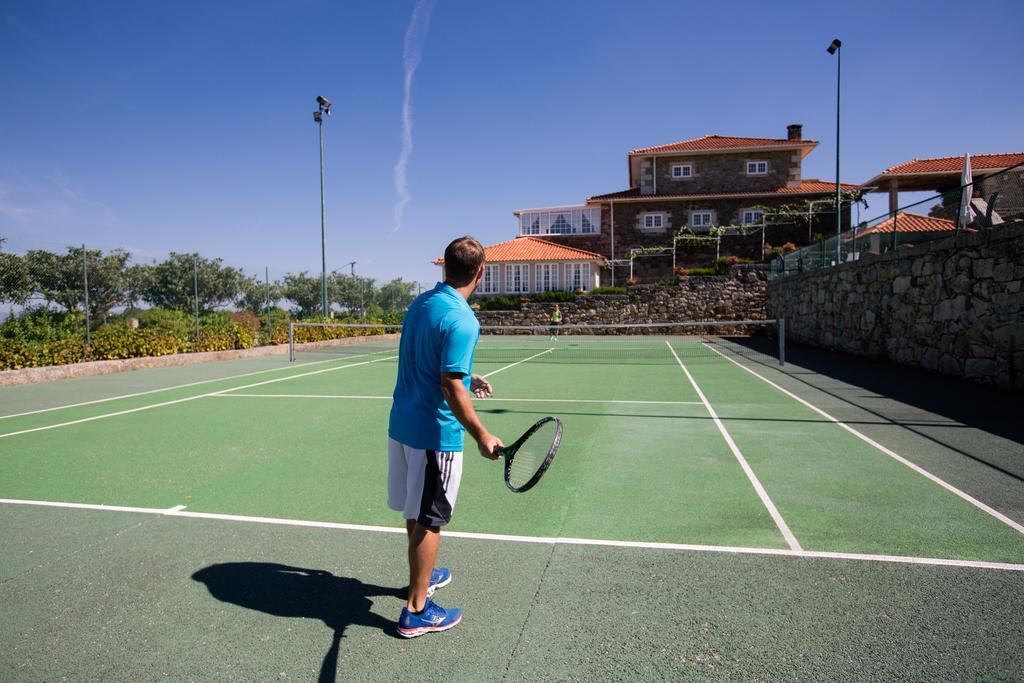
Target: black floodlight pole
835,48
324,107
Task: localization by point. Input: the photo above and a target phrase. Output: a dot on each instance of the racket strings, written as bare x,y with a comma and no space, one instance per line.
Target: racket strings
531,455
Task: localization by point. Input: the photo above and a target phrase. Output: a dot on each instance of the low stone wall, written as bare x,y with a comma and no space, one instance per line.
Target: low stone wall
955,306
741,295
106,367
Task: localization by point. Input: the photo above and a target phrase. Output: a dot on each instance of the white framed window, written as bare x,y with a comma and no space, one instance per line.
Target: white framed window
752,216
701,219
652,221
682,170
569,220
517,278
577,276
546,277
489,285
757,167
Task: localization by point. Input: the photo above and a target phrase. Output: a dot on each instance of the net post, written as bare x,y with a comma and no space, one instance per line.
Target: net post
781,323
291,341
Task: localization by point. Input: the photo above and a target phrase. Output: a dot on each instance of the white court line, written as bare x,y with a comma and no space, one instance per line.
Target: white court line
892,454
190,398
762,494
178,511
485,400
512,365
181,386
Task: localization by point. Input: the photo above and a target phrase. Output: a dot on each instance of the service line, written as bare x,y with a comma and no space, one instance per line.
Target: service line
190,398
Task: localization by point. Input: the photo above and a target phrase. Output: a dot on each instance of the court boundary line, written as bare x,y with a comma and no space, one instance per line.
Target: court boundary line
518,362
180,511
489,398
93,418
766,500
182,386
887,451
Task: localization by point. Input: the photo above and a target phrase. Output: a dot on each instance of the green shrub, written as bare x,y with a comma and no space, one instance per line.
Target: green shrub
114,342
44,325
499,303
667,282
608,290
177,323
16,354
557,296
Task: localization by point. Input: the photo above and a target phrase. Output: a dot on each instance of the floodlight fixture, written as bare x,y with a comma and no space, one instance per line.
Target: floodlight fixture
325,104
836,44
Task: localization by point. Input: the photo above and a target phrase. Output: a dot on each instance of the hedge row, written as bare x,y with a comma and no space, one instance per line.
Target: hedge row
116,342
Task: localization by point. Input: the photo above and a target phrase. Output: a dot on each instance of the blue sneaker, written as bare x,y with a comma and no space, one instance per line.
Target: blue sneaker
432,618
439,578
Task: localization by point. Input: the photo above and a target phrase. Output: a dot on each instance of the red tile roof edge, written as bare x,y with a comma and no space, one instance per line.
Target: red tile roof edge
634,192
575,253
741,143
956,158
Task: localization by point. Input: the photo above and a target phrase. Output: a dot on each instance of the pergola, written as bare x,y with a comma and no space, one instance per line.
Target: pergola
936,175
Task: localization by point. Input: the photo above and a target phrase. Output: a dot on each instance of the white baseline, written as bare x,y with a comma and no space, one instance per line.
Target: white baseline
178,511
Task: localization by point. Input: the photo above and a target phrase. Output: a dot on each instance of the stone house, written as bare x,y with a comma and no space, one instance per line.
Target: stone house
696,184
527,264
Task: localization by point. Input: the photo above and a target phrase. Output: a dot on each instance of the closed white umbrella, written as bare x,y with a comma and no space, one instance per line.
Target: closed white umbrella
967,188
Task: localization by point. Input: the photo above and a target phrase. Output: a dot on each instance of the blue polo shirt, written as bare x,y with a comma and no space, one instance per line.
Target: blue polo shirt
439,334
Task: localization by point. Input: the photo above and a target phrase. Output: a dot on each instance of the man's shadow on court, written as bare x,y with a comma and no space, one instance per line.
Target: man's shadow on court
285,591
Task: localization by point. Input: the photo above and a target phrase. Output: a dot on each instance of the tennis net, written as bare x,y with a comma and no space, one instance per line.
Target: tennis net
652,344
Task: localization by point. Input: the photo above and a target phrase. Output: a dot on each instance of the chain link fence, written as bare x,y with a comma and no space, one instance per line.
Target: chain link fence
985,204
71,303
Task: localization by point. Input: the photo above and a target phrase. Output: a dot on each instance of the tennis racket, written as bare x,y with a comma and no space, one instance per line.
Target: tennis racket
529,457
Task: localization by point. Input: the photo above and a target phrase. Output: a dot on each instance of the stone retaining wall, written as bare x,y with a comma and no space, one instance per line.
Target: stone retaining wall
955,306
741,295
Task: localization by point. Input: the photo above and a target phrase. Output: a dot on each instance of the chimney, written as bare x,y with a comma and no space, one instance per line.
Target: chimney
795,131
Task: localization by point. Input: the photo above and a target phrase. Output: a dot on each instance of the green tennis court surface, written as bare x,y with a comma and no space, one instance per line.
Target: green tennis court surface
708,514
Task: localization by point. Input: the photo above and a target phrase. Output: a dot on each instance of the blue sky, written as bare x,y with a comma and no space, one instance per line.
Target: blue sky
187,126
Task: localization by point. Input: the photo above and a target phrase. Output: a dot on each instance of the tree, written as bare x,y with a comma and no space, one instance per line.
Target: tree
352,292
172,283
138,277
303,290
259,296
60,278
15,282
396,295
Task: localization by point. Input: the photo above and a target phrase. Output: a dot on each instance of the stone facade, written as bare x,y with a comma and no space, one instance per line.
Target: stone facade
954,306
741,295
630,235
713,172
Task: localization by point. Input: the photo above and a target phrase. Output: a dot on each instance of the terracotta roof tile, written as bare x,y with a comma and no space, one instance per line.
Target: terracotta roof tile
808,186
533,249
910,222
722,142
955,164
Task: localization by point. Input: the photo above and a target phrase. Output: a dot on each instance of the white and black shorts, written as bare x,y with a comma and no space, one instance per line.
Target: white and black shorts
423,484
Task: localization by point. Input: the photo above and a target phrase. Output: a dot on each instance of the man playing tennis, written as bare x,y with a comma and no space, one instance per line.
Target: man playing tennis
431,411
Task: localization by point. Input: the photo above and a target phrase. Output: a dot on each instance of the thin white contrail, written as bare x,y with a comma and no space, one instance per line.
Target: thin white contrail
415,36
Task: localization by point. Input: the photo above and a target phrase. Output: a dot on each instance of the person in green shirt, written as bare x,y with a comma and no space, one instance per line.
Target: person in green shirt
556,319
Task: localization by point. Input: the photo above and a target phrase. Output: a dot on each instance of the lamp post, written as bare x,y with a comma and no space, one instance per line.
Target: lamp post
324,107
835,49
